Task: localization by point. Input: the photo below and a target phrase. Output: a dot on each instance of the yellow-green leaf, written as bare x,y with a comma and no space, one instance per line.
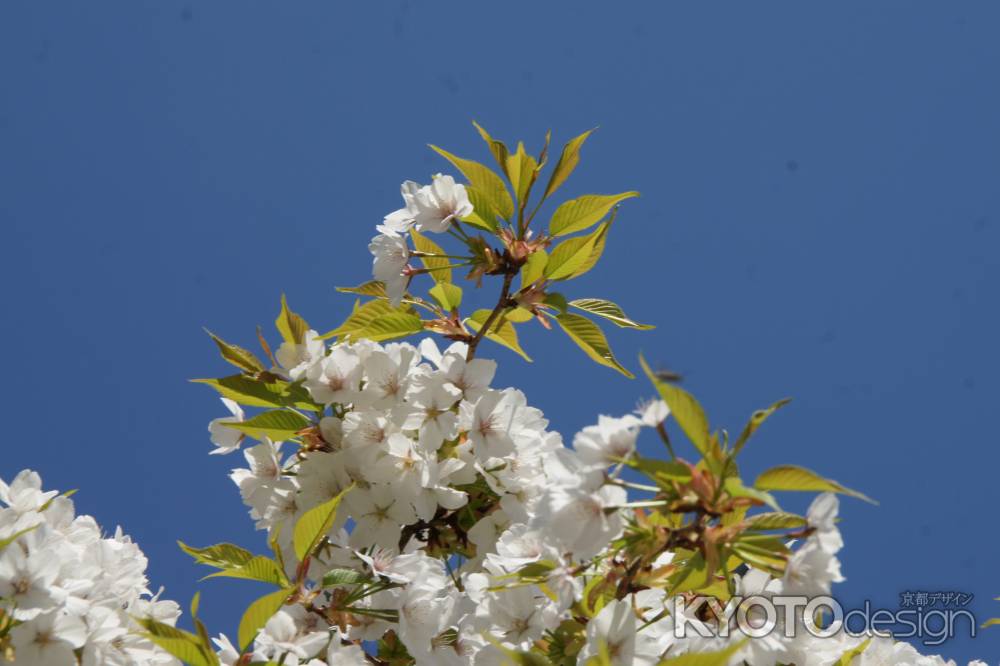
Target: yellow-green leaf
497,148
568,160
583,212
377,320
489,184
221,555
260,392
575,256
181,644
258,613
993,621
718,658
238,356
534,267
439,266
276,424
448,295
483,214
291,326
315,523
792,477
522,169
589,337
684,408
258,568
848,657
609,311
775,520
375,288
756,420
501,332
600,235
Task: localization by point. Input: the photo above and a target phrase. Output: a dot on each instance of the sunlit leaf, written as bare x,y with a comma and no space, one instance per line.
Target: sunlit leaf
590,338
847,658
378,321
497,148
260,392
568,160
501,332
717,658
756,420
258,568
583,212
522,169
792,477
609,311
336,577
181,644
277,424
238,356
534,268
775,520
291,326
259,612
483,213
448,295
439,266
485,180
574,256
221,555
684,408
314,525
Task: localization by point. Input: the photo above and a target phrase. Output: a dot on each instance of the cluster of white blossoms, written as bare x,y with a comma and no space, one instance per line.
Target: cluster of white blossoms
431,208
439,464
68,595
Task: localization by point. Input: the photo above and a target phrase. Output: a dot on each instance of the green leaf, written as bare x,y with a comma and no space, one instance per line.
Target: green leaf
439,266
718,658
756,420
260,392
792,477
993,621
258,568
663,472
609,311
575,256
375,288
557,301
315,523
501,332
583,212
522,169
848,657
734,486
775,520
277,424
600,240
238,356
684,408
497,148
258,613
534,267
221,555
483,214
485,180
567,162
589,337
336,577
447,294
291,326
181,644
377,320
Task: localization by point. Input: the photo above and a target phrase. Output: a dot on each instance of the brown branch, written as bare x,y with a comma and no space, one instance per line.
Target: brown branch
508,280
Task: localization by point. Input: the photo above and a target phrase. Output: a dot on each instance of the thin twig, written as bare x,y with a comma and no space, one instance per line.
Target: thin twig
508,279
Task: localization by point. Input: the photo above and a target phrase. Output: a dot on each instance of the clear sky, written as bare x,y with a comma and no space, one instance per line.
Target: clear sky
820,219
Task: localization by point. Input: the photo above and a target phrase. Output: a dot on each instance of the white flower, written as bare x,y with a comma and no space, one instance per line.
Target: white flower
399,222
225,438
336,378
379,515
391,258
28,580
439,204
48,640
653,412
608,442
613,631
295,359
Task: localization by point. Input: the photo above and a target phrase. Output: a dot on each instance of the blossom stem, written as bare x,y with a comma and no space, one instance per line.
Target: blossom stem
508,280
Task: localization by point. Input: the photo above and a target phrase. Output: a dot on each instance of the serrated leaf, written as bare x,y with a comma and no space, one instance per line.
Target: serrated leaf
795,478
522,169
684,408
277,424
581,213
336,577
556,300
483,179
502,332
291,326
575,256
258,568
238,356
534,268
258,613
600,240
439,266
589,337
848,657
663,472
718,658
375,288
314,524
497,148
378,321
448,295
221,555
253,392
734,486
518,315
483,214
181,644
568,160
775,520
756,420
608,310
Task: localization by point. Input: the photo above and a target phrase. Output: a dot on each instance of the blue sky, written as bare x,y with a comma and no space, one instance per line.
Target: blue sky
820,219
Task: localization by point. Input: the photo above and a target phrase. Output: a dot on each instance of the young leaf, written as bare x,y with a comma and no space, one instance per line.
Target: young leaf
181,644
374,288
258,568
238,356
734,486
220,556
377,320
567,162
291,326
756,420
600,235
501,332
575,256
534,268
792,477
260,392
497,148
522,169
277,424
589,337
775,520
684,408
438,266
483,179
847,658
609,311
336,577
586,211
315,523
483,214
258,613
718,658
448,295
